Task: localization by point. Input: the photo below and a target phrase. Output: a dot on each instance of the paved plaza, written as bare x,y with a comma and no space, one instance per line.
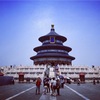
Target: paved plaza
26,91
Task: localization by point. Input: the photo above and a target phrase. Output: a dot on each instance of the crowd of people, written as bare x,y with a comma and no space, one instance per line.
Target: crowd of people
53,85
50,85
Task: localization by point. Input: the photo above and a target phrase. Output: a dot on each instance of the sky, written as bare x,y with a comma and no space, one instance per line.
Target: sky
23,22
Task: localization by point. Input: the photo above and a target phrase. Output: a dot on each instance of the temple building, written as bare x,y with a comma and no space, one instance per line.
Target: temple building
52,52
52,59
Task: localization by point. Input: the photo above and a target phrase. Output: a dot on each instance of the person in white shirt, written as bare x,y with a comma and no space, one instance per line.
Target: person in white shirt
54,86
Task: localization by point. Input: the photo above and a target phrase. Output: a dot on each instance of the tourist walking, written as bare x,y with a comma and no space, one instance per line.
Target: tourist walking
51,85
47,83
54,87
78,81
44,81
58,86
94,81
62,82
38,84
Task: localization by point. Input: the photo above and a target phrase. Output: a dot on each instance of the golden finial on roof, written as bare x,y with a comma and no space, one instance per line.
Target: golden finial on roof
52,26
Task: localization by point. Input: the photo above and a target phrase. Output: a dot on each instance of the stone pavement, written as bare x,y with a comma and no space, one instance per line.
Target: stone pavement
26,91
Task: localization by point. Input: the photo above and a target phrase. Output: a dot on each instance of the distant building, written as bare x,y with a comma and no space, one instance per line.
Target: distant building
73,72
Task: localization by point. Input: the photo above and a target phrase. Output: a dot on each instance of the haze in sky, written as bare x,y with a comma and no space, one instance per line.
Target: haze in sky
23,22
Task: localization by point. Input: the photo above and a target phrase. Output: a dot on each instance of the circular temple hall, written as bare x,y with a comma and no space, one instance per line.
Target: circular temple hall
52,51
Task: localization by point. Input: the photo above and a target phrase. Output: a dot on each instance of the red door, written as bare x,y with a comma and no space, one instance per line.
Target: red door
82,77
21,77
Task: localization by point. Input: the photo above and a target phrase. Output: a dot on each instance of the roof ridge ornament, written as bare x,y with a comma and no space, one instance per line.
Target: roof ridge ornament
52,27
